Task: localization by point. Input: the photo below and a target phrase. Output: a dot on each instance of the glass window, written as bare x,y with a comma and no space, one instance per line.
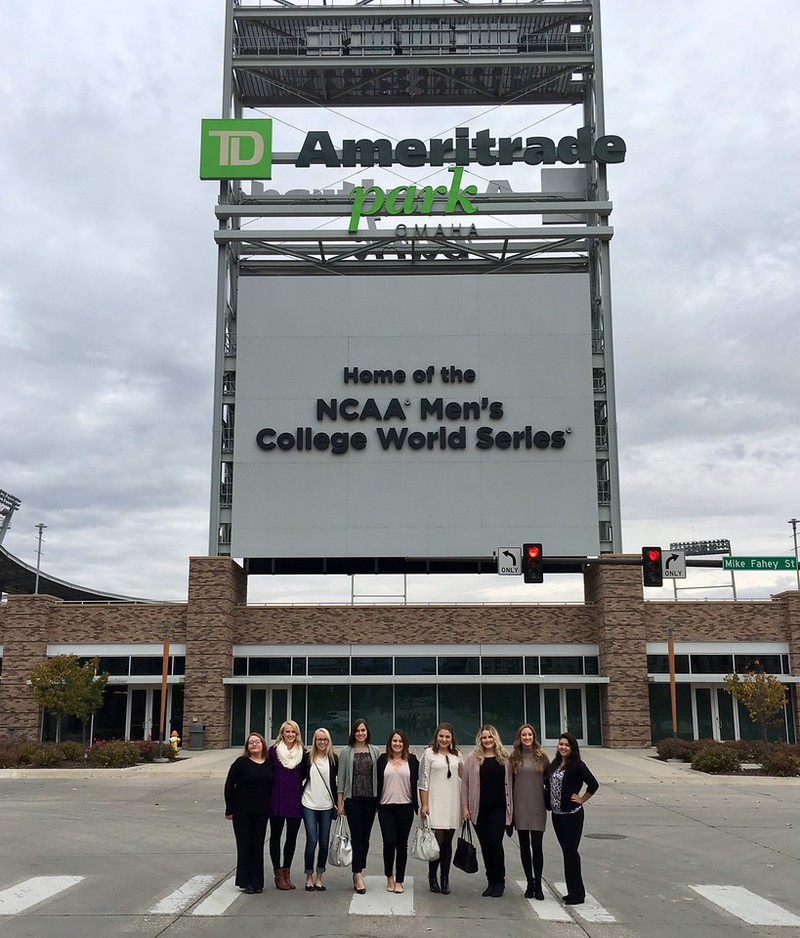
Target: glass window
594,723
270,666
115,665
533,711
455,665
415,711
785,663
532,666
419,664
374,703
299,666
329,706
712,664
328,666
591,664
661,712
145,665
769,664
239,667
258,712
460,704
659,664
381,666
238,700
501,665
503,707
179,664
561,664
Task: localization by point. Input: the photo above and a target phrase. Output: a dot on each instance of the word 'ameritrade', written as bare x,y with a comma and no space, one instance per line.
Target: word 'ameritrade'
409,200
461,150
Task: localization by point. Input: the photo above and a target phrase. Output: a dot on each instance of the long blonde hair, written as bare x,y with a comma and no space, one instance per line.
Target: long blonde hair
539,756
500,751
298,739
313,752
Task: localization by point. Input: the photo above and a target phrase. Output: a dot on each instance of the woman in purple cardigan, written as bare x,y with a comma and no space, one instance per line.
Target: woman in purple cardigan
286,756
487,801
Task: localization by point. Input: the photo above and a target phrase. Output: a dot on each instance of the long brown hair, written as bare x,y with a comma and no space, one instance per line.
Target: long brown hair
434,743
406,744
539,756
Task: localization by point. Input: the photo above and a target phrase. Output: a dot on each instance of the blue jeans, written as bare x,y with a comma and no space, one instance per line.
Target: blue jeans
318,831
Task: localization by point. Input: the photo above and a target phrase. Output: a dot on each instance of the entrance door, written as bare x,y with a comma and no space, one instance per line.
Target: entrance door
564,712
713,713
144,712
268,708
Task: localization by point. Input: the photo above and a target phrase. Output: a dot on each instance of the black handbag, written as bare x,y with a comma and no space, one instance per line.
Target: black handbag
466,856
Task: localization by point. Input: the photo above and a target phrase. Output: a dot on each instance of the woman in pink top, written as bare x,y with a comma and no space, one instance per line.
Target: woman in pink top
398,776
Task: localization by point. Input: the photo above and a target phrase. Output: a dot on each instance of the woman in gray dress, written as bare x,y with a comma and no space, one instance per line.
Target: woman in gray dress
528,763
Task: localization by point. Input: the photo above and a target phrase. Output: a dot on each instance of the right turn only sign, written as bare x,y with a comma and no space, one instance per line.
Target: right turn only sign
673,564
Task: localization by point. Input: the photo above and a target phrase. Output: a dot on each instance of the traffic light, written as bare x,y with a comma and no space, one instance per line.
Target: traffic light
652,574
532,571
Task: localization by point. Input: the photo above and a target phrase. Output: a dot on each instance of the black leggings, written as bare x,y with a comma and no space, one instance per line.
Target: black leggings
395,821
444,838
531,854
275,831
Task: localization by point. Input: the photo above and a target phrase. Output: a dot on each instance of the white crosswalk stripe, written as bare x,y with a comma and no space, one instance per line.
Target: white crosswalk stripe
746,905
377,901
31,892
220,900
549,910
183,896
591,910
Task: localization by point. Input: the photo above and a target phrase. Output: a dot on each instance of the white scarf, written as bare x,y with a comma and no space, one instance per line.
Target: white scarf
288,758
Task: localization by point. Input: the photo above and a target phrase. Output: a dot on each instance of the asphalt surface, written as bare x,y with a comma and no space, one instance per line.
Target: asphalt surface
146,851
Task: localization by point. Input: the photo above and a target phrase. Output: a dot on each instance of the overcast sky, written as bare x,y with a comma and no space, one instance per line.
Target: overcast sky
107,288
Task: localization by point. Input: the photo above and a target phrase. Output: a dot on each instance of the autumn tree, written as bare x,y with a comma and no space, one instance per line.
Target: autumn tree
62,685
762,695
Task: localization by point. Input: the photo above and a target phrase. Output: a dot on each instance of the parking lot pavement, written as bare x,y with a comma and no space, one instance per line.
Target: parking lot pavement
147,851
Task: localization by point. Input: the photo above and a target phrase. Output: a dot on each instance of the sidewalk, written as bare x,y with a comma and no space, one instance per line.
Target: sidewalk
630,766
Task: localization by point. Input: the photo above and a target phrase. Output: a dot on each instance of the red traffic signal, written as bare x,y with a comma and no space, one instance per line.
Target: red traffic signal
652,574
532,570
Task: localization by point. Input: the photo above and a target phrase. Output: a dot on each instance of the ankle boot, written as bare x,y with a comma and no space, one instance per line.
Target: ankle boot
488,891
287,878
278,876
530,892
499,889
433,869
281,878
445,884
538,893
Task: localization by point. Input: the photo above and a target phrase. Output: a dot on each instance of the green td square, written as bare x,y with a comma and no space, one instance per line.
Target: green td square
236,149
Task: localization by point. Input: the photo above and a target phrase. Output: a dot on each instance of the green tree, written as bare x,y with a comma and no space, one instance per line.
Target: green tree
762,695
62,685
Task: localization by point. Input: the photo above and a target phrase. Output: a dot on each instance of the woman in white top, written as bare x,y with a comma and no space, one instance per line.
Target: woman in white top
318,802
440,799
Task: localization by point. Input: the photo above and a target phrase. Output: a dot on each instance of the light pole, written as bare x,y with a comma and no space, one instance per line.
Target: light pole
794,522
41,528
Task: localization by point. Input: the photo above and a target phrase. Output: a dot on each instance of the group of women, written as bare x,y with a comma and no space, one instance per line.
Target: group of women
496,790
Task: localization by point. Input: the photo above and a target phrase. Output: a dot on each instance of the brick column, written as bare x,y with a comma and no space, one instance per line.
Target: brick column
615,593
26,622
217,585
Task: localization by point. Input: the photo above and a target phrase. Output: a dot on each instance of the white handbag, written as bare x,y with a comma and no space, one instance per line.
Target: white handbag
340,852
425,846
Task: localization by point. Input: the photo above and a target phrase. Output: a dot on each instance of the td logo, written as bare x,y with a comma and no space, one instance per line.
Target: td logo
236,149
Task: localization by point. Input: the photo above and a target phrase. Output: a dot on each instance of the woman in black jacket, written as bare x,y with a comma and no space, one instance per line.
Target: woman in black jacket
248,788
566,775
398,778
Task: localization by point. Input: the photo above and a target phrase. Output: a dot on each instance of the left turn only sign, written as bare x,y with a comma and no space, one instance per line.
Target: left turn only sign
509,561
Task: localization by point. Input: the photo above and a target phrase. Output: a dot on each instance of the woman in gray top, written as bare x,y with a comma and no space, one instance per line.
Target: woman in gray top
529,763
358,794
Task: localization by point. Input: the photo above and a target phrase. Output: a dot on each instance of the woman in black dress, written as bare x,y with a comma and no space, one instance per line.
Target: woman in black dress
248,788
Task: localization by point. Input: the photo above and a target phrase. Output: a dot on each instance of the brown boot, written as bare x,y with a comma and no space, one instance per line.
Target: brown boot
287,878
280,878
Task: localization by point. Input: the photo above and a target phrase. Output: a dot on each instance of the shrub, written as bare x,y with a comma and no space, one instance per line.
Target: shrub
688,749
148,750
749,750
113,754
716,757
665,748
9,755
780,760
25,751
46,756
73,751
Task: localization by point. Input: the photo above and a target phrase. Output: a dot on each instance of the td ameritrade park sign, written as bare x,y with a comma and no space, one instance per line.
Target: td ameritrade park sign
242,149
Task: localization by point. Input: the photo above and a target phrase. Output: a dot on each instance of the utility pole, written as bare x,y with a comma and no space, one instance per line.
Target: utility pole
794,522
41,528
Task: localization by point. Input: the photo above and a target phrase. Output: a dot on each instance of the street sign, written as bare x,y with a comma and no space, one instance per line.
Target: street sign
673,564
776,564
508,561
